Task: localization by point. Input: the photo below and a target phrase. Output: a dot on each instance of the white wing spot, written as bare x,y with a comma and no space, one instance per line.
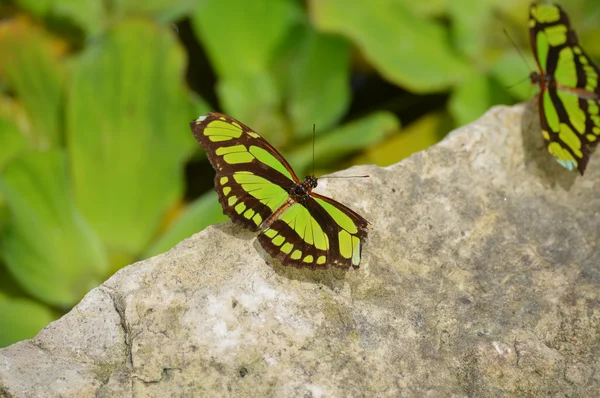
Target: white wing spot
201,118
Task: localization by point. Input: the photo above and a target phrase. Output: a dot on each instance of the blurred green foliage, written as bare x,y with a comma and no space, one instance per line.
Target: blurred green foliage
95,106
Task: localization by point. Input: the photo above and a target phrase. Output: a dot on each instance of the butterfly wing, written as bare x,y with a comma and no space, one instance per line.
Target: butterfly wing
317,233
568,99
252,179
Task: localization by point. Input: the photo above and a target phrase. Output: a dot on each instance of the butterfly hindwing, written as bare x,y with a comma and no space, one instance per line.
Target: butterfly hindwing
569,90
317,232
296,238
258,189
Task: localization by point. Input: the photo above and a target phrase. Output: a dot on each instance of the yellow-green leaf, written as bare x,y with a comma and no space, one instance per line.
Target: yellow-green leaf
344,140
21,319
199,214
48,246
241,37
127,123
29,61
411,51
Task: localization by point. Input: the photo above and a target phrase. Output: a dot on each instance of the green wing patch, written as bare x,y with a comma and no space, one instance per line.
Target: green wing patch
569,90
258,189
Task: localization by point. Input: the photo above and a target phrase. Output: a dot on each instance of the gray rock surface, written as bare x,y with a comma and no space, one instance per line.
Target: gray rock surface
480,278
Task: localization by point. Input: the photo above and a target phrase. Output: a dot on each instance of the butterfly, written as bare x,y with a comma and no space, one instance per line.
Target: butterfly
569,89
258,189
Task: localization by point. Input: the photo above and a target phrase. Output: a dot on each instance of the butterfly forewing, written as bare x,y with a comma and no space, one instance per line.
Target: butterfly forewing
569,91
258,189
251,178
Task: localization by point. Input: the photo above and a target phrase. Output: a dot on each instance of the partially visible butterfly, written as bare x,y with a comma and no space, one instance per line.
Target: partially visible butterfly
569,87
259,190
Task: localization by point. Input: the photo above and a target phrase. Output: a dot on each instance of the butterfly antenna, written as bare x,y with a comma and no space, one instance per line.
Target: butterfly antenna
314,135
517,48
517,83
320,178
331,177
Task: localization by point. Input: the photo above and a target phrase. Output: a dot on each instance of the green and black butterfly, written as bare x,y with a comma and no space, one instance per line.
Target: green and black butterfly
259,190
569,87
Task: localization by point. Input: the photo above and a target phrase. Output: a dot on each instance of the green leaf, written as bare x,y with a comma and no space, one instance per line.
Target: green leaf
21,319
4,216
12,142
127,123
319,89
344,140
240,37
474,97
29,58
470,18
409,51
48,246
201,213
512,71
254,100
586,25
470,99
429,8
162,10
36,7
242,52
89,15
8,285
417,136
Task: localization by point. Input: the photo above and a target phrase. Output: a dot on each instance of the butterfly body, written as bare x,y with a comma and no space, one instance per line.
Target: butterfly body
548,82
569,87
258,189
299,193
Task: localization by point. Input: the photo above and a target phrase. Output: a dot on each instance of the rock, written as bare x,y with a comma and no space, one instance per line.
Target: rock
480,277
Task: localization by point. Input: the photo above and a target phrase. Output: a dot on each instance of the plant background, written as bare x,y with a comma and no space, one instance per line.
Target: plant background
98,167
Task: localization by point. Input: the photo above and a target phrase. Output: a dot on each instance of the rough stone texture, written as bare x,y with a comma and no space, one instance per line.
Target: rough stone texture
481,277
